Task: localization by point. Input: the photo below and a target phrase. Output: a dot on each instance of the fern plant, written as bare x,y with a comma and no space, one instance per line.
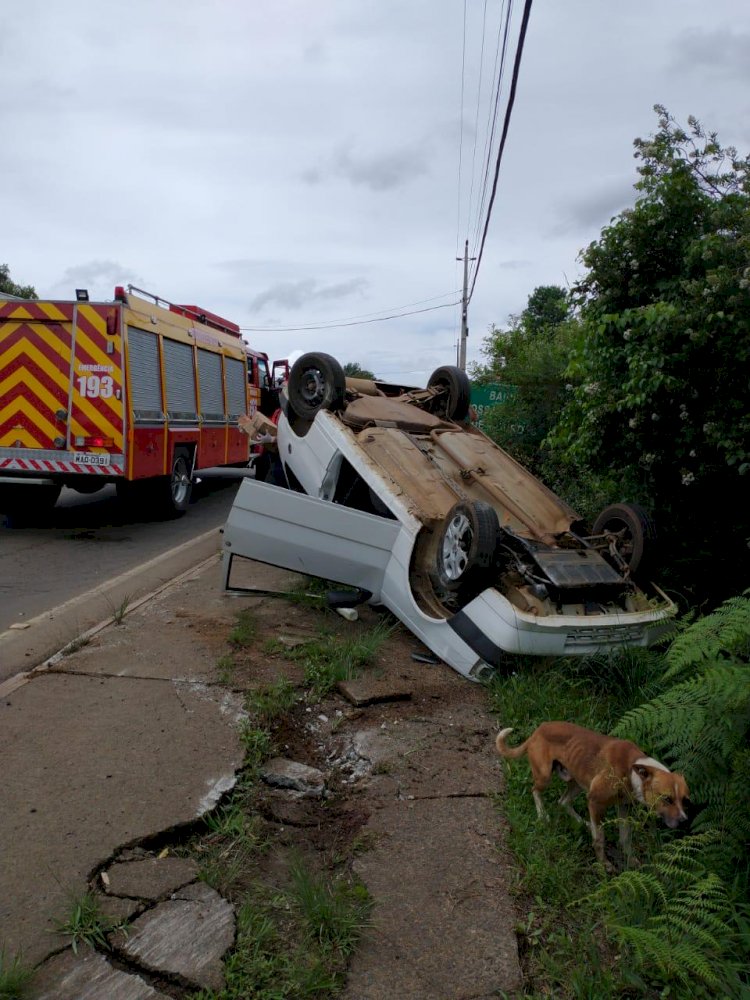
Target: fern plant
684,915
700,723
675,920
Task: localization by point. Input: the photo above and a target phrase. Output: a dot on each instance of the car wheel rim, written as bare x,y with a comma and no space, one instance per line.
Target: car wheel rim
313,387
456,543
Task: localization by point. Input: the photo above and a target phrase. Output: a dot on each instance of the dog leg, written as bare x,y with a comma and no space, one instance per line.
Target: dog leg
540,810
596,814
566,801
623,820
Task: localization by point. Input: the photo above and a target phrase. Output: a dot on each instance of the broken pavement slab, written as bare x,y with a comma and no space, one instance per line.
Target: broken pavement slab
184,937
371,690
88,976
108,761
149,878
291,776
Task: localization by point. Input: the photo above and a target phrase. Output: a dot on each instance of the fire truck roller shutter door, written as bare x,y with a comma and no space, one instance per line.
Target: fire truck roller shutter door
182,407
145,379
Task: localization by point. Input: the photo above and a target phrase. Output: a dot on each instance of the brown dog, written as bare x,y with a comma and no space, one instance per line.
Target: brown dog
610,771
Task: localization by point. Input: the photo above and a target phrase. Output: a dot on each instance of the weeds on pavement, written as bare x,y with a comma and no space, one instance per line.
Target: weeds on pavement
225,667
14,978
294,941
118,611
272,701
245,631
331,658
334,912
86,924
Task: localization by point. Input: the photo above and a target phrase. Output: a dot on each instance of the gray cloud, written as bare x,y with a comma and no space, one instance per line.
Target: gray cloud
596,209
379,172
514,265
97,273
296,294
723,50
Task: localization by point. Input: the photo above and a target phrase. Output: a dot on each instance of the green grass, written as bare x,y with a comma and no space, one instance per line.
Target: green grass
225,667
118,611
14,978
245,632
331,658
228,850
258,748
311,592
565,952
294,942
86,924
334,912
272,701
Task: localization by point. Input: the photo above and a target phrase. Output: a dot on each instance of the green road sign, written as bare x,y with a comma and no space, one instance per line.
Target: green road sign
484,397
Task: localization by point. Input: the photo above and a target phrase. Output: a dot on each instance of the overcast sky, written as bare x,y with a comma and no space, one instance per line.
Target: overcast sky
290,163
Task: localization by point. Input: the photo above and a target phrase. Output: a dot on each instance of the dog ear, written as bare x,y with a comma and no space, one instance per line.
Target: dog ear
642,772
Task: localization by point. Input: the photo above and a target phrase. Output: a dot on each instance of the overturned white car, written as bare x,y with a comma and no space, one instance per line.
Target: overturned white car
391,491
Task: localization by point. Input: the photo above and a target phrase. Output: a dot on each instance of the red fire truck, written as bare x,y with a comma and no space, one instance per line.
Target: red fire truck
137,391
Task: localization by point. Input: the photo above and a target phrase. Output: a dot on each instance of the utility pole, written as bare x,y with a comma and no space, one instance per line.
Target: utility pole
464,309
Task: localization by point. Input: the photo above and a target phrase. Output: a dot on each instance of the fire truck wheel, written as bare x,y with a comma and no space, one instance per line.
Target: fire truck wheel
24,504
316,382
180,486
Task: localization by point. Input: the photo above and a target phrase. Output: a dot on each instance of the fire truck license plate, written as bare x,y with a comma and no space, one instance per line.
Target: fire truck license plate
84,459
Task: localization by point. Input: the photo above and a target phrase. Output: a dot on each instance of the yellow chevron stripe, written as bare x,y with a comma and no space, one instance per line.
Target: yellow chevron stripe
21,313
25,349
24,377
23,343
25,437
21,405
51,310
94,350
95,318
105,427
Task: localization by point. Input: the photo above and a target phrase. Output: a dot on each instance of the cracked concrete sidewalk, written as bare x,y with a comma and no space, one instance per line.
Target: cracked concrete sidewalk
133,735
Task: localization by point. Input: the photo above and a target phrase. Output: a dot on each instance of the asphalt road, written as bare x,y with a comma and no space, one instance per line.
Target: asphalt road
87,540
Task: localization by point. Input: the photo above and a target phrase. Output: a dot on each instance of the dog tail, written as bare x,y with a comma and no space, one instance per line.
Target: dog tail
507,751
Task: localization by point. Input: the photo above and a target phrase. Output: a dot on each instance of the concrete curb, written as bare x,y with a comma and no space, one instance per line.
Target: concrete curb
48,633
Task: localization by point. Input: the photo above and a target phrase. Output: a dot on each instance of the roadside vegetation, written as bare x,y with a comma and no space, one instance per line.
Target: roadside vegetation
632,386
86,924
15,978
679,925
300,912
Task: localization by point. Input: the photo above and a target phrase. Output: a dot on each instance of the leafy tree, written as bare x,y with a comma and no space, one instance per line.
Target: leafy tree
531,355
9,287
354,370
661,408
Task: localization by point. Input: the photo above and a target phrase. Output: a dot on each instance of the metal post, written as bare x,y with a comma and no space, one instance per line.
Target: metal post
464,309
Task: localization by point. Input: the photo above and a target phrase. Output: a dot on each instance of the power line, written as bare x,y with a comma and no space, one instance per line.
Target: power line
504,136
498,75
335,326
476,118
461,132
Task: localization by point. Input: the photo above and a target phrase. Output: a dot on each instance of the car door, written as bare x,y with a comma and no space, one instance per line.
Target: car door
309,536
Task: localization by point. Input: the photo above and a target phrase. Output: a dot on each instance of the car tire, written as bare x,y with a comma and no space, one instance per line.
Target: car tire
466,547
635,527
455,402
316,382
